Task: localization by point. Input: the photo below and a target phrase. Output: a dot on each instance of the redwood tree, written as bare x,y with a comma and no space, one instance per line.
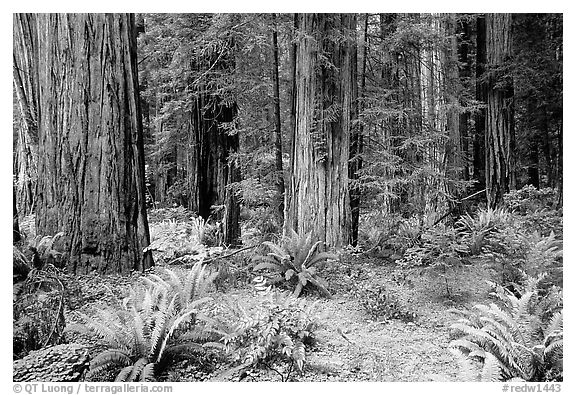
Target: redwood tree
325,100
91,157
500,109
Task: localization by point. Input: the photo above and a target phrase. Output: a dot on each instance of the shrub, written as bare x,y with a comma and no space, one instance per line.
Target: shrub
439,245
510,342
152,327
294,261
278,327
529,199
379,303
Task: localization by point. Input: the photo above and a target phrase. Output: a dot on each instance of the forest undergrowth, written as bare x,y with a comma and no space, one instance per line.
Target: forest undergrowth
478,297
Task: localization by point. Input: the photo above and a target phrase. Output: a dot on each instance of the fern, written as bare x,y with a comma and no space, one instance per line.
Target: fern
510,342
294,261
150,324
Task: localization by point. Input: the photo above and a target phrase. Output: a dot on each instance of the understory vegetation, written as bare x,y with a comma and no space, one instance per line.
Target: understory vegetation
175,323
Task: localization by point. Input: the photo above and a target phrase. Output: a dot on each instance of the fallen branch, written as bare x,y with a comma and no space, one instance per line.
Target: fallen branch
227,255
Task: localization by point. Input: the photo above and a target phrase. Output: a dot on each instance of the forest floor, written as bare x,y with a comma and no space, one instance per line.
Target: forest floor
351,346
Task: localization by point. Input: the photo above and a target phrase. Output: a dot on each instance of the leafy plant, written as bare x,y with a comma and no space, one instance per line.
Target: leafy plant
295,261
379,303
474,230
152,326
278,327
510,342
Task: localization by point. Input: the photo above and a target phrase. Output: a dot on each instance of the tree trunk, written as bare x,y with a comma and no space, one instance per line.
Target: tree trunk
464,73
500,110
277,123
25,66
16,236
210,170
324,99
479,159
357,146
91,153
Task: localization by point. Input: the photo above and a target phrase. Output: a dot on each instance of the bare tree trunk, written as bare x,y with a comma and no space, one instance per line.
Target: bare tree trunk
500,112
25,66
277,123
464,74
479,160
324,98
91,153
357,146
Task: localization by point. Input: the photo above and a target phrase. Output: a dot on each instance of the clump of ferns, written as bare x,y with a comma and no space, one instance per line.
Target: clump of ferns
278,328
295,260
511,342
154,326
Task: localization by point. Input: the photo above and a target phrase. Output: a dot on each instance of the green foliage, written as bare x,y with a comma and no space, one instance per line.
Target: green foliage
438,246
536,208
510,342
473,230
529,199
153,326
380,303
173,239
278,327
519,253
294,262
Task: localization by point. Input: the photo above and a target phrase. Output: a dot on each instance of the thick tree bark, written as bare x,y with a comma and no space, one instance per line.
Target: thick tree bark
25,67
500,110
91,153
277,121
325,100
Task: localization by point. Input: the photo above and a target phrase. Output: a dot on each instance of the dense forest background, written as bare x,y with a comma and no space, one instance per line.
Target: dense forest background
220,159
400,114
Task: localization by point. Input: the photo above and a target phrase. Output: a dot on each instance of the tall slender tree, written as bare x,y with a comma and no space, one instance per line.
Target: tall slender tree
91,153
277,119
325,100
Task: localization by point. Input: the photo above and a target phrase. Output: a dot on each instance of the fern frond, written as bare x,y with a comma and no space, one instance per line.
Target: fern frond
556,323
467,370
110,357
147,373
138,367
124,373
491,370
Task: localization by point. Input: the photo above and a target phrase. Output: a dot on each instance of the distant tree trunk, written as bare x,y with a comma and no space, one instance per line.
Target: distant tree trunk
533,148
91,153
357,145
277,122
211,170
500,111
25,68
16,236
560,201
479,160
465,72
324,98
